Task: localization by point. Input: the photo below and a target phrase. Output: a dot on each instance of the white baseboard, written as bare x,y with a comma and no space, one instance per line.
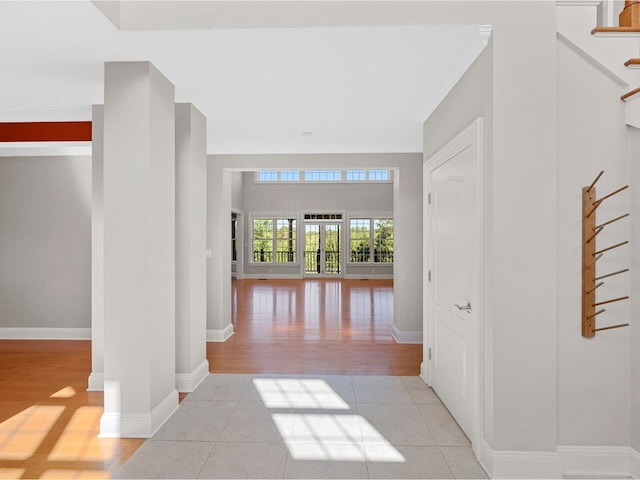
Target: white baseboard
595,461
406,336
188,382
96,382
141,425
485,458
635,464
372,276
271,276
423,372
519,464
34,333
220,335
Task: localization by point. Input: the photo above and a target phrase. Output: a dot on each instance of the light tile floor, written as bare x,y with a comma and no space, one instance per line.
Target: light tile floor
307,426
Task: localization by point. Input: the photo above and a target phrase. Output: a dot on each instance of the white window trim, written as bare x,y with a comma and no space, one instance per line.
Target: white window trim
274,216
371,216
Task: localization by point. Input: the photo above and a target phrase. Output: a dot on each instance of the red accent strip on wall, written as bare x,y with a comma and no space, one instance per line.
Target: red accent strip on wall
45,132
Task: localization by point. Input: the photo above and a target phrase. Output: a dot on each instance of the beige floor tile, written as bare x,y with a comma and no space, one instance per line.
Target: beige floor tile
245,460
415,462
462,462
396,424
160,459
443,427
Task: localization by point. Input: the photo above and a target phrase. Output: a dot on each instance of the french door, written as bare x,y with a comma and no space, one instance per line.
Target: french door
323,249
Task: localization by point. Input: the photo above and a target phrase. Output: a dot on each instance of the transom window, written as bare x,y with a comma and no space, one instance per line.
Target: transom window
336,176
274,240
371,240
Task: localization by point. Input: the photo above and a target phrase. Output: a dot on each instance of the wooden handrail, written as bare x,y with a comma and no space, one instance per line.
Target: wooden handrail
630,94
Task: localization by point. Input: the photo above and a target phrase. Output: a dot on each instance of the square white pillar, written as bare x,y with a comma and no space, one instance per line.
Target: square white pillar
191,236
139,250
96,379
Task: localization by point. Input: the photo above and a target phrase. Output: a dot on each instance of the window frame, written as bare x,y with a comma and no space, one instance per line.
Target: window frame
274,217
371,218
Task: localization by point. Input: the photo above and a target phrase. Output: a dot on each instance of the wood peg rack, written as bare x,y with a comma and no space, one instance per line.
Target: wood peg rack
590,255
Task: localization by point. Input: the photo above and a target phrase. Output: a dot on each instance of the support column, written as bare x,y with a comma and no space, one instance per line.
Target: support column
219,326
191,235
96,379
139,250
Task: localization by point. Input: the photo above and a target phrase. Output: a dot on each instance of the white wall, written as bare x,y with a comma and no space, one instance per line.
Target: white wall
634,135
470,99
593,373
237,191
520,228
45,242
357,198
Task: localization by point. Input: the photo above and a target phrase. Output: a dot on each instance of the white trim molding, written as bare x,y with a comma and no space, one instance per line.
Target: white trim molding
519,464
368,276
272,276
635,464
36,333
406,336
220,335
595,461
95,382
143,425
188,382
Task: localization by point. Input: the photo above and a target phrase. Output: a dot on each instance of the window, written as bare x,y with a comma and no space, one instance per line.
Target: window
289,176
368,175
322,175
267,176
278,176
383,240
274,240
360,239
367,235
356,175
234,237
379,175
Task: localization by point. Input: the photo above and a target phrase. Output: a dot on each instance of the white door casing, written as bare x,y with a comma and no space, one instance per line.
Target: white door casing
453,303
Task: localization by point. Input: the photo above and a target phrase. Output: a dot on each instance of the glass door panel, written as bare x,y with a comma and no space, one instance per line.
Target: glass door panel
323,249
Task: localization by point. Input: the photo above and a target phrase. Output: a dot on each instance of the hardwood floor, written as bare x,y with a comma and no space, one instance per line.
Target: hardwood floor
49,422
313,326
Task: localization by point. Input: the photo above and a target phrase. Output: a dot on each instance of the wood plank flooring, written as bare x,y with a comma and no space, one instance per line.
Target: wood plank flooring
313,326
49,422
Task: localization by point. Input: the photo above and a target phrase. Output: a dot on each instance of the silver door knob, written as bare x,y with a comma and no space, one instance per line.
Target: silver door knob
466,307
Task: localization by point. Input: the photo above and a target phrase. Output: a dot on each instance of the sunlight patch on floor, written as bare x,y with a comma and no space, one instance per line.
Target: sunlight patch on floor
11,473
336,437
21,434
66,392
323,435
75,474
298,393
79,440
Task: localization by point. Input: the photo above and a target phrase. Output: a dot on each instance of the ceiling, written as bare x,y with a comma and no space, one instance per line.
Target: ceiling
314,89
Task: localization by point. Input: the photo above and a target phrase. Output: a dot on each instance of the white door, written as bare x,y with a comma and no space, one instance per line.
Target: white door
452,283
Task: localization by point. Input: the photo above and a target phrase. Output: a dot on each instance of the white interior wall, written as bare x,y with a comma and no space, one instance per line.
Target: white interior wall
470,99
237,191
351,198
593,373
45,245
634,136
520,232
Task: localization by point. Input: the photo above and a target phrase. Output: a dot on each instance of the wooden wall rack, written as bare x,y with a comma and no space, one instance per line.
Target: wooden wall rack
591,254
